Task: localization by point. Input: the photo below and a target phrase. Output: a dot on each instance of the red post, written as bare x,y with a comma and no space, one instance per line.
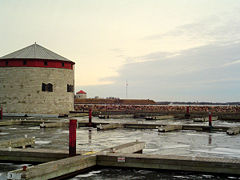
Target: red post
24,168
188,110
72,137
187,115
90,118
1,112
210,119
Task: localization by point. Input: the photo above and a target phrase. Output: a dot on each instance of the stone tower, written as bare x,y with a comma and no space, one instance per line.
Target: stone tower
36,81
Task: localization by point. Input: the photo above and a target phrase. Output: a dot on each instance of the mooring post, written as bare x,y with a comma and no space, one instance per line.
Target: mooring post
72,137
1,112
187,115
210,119
90,118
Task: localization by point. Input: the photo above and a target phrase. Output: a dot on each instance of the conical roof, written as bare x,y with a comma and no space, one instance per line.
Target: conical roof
81,92
34,51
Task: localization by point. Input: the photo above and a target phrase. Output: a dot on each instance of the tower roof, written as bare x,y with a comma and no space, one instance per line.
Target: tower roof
34,51
81,92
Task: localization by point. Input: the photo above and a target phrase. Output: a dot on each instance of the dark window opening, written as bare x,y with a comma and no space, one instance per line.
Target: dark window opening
50,87
47,87
71,66
62,64
43,87
24,62
6,63
70,88
45,63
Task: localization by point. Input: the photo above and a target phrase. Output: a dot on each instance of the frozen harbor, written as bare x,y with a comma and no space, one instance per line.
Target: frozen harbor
184,143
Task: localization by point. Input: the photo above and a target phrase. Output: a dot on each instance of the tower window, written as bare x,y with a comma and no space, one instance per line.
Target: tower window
45,63
63,64
24,62
6,63
50,87
47,87
70,88
43,87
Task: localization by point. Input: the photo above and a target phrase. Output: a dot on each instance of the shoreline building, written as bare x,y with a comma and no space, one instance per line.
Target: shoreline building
35,81
81,94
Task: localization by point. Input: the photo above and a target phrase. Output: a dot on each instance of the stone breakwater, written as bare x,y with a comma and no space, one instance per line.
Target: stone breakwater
157,108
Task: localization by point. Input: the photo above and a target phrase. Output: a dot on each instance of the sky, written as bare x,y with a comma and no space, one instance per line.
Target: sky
165,50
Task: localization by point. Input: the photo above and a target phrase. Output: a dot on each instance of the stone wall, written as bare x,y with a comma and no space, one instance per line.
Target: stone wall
21,90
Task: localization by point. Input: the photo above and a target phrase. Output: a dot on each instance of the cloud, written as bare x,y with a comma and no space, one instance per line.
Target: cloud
224,27
232,63
209,72
206,73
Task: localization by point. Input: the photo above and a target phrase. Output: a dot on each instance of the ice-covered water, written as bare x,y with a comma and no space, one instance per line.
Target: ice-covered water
186,143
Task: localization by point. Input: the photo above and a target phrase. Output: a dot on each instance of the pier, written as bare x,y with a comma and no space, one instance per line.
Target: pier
121,156
18,143
52,163
67,166
179,163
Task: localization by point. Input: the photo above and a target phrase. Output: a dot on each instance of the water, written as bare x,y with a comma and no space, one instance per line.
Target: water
184,143
138,174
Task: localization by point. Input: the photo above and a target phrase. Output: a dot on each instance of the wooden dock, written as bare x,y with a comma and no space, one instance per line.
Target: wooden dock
163,117
170,162
54,124
67,166
57,164
54,169
110,126
18,143
32,155
233,131
10,122
122,156
169,128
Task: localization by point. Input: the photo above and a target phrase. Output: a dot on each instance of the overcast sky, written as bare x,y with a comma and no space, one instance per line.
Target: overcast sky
174,50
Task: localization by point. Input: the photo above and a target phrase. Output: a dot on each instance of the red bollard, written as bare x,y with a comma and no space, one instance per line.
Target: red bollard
24,168
210,119
187,110
1,112
187,115
72,137
90,118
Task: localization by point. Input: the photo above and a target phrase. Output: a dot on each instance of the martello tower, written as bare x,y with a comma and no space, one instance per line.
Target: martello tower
36,81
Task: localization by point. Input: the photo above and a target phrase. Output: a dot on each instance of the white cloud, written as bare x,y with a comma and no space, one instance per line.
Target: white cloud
231,63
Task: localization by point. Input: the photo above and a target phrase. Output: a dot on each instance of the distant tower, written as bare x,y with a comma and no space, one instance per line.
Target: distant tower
81,94
126,89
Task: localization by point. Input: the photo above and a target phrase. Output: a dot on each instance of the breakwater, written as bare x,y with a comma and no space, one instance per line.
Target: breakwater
223,112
